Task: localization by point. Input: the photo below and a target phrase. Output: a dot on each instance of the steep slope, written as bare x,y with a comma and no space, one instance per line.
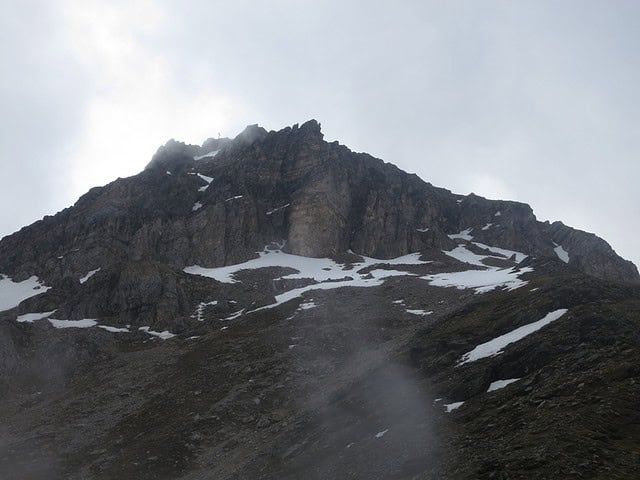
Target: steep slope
561,402
276,306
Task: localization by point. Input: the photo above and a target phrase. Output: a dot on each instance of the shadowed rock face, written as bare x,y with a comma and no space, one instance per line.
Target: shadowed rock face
591,254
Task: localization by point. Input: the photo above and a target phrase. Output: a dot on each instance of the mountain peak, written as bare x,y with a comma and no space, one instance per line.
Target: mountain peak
335,200
281,295
251,134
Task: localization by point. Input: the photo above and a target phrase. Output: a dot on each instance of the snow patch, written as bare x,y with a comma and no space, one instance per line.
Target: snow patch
32,317
12,293
382,433
561,253
196,206
497,214
113,329
502,251
199,313
463,254
207,155
307,305
420,312
498,384
410,259
318,269
422,230
487,226
89,275
495,347
271,212
375,279
450,407
481,280
84,323
463,235
207,179
234,315
163,335
234,198
328,273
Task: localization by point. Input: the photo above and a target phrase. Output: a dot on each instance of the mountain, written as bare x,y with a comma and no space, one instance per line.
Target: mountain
277,306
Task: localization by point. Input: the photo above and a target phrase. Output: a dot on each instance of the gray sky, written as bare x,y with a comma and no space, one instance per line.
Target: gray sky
535,101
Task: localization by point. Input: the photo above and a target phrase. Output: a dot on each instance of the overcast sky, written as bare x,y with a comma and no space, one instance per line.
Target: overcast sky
535,101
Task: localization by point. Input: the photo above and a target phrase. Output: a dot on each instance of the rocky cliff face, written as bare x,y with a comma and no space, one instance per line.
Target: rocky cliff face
277,306
320,198
220,203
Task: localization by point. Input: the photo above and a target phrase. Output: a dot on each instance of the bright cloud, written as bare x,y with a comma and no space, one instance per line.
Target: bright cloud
137,105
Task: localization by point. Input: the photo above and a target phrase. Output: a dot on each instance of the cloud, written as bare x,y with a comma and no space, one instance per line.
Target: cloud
137,104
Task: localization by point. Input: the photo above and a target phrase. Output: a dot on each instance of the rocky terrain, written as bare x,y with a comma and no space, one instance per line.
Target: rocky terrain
277,306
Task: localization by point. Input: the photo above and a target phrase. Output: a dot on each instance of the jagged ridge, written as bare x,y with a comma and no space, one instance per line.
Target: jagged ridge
320,197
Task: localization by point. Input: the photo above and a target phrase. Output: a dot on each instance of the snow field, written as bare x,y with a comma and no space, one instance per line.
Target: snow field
12,293
84,323
481,281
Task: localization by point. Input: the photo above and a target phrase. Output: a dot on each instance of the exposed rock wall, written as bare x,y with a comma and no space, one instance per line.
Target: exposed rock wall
291,185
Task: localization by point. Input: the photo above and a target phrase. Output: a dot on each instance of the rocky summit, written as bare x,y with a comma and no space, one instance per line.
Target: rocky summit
275,306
